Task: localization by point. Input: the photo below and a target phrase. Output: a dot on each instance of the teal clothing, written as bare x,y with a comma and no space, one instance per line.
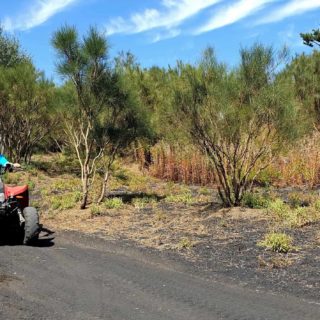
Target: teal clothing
3,161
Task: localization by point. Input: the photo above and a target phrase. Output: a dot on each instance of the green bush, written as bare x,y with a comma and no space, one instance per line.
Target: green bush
185,198
254,200
140,203
279,209
303,216
64,202
297,199
96,210
277,242
113,203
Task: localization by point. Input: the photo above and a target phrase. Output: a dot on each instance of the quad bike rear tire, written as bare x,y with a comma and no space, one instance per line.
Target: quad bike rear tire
31,225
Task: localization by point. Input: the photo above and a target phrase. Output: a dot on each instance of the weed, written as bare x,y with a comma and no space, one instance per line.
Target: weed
185,243
277,242
300,200
160,215
31,185
185,198
254,201
113,203
302,216
64,202
205,191
279,209
141,203
96,210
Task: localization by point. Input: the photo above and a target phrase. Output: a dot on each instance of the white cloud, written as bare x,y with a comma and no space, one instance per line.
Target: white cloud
294,7
167,35
232,13
172,14
39,12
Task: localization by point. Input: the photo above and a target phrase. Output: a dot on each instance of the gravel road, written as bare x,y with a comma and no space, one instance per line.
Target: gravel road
81,277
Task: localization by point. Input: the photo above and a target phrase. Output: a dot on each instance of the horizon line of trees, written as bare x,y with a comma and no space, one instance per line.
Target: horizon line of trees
239,118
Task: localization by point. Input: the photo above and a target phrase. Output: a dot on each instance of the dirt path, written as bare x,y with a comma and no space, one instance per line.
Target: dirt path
80,277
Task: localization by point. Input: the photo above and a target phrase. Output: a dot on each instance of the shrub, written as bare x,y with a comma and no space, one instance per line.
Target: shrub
96,210
64,202
279,209
185,198
141,203
185,243
300,199
302,216
277,242
113,203
254,200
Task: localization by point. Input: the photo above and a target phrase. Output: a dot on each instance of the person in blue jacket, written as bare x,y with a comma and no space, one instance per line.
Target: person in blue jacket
6,164
3,161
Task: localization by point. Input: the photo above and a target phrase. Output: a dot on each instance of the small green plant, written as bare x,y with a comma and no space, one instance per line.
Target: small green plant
279,209
141,203
316,205
300,199
254,201
185,198
64,202
185,243
31,185
205,191
113,203
303,216
277,242
96,210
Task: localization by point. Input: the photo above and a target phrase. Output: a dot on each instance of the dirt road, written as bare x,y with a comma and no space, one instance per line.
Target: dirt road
80,277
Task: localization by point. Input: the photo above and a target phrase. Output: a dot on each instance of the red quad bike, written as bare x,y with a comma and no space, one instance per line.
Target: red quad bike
16,217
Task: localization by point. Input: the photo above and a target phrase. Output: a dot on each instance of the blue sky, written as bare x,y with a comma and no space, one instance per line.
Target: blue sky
163,31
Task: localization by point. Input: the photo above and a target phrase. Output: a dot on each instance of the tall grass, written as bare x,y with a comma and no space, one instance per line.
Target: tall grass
179,164
300,166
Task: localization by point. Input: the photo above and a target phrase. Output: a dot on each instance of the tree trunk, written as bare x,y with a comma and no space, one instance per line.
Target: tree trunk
85,191
104,186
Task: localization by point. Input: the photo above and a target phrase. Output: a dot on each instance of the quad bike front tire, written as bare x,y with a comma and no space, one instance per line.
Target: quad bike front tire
31,225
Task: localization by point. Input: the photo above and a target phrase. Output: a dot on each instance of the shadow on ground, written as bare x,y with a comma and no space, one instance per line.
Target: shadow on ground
45,240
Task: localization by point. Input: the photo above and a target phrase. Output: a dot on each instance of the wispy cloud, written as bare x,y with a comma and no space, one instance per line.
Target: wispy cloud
167,35
39,12
172,14
294,7
232,13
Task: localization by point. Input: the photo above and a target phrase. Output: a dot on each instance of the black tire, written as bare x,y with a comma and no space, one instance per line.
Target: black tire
31,225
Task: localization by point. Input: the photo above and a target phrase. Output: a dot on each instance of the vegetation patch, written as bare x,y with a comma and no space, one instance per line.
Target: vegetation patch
277,242
255,201
113,203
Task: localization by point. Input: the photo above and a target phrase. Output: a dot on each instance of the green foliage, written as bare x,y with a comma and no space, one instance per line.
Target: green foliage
141,203
25,101
254,200
185,243
65,201
277,242
185,198
239,118
10,51
96,210
279,209
312,38
113,203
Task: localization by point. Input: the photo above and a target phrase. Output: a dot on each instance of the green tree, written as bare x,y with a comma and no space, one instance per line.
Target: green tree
311,38
101,116
25,102
10,51
240,118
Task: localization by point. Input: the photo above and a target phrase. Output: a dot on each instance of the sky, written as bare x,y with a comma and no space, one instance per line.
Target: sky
163,31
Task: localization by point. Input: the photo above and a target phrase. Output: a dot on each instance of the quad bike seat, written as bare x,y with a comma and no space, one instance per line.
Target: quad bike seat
20,192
